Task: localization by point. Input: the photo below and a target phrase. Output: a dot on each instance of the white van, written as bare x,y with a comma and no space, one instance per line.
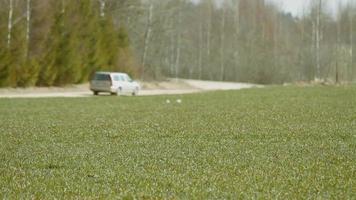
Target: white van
114,83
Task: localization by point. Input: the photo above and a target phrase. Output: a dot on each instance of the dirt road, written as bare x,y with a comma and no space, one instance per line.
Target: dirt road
169,87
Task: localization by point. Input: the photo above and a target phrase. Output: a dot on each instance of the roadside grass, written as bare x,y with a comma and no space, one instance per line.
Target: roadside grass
271,143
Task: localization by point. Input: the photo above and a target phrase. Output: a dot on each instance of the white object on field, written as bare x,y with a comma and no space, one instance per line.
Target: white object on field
168,101
179,101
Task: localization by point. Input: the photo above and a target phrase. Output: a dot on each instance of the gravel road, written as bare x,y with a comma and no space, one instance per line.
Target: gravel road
169,87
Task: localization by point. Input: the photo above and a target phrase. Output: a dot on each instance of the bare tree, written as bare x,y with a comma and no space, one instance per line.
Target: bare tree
172,43
10,23
200,57
102,8
351,16
208,37
147,38
177,65
63,7
237,32
338,43
318,39
28,26
222,45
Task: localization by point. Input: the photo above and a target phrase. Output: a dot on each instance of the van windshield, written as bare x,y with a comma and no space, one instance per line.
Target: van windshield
102,77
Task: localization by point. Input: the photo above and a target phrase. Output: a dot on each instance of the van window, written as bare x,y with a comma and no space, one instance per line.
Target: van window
128,79
102,77
122,78
116,78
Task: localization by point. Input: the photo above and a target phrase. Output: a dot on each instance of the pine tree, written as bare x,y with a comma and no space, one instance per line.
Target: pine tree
51,62
4,67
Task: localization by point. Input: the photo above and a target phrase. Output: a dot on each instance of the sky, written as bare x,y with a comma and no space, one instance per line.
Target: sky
296,6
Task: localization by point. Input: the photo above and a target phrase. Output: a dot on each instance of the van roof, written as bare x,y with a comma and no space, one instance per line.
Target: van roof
116,73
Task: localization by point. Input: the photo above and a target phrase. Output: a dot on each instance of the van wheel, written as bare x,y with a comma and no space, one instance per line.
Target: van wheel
96,93
135,92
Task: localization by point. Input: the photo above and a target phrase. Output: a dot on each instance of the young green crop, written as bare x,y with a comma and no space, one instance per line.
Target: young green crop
272,143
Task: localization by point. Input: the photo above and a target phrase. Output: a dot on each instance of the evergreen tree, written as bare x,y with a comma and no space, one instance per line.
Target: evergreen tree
49,63
4,67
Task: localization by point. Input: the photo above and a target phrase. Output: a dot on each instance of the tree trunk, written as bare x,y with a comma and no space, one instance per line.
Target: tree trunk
237,35
147,39
222,45
208,32
63,7
9,34
337,53
318,39
351,15
172,61
275,38
28,28
200,58
102,8
303,59
177,65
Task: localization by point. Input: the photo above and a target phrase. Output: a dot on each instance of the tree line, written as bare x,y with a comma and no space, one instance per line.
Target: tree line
245,40
56,42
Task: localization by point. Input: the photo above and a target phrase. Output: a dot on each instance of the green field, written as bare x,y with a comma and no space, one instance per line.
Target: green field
271,143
